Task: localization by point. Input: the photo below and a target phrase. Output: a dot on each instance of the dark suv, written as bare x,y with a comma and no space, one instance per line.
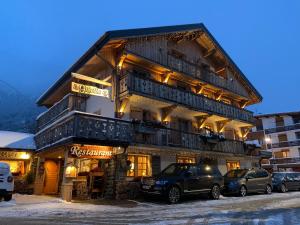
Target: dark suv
243,181
180,179
284,181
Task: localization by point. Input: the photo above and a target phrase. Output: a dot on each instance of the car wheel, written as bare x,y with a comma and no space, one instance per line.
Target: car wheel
268,189
283,188
243,191
215,192
173,195
7,197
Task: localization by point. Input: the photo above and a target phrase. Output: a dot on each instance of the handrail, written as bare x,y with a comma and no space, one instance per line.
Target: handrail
199,102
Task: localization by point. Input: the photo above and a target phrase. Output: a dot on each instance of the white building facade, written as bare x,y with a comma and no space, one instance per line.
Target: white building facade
280,134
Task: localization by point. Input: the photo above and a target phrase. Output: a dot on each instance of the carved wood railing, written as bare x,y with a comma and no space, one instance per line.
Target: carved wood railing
153,89
196,71
167,137
109,131
85,126
67,104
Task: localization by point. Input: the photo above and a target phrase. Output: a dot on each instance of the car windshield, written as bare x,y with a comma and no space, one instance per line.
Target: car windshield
236,173
278,175
174,169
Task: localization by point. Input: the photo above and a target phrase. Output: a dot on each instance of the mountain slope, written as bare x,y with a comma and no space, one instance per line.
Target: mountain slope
17,111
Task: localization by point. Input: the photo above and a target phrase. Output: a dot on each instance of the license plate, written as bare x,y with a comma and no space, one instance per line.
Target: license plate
146,187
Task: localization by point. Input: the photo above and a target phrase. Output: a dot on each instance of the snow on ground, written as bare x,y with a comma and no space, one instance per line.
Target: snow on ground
255,208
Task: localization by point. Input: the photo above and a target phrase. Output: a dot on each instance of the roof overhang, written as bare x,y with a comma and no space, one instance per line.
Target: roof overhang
130,33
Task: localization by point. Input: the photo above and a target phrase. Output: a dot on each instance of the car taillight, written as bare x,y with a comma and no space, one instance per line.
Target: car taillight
10,179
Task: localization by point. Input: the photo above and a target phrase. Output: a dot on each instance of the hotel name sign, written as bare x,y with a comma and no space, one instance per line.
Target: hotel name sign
14,155
90,151
89,90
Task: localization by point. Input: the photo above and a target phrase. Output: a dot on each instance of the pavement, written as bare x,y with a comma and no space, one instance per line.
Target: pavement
277,208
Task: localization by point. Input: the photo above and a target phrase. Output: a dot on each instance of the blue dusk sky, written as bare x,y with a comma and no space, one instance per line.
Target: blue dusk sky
42,39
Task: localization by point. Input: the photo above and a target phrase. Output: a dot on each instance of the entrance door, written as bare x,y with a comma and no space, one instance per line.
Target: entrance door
51,177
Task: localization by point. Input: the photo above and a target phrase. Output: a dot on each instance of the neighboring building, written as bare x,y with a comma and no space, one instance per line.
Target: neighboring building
16,149
279,133
137,101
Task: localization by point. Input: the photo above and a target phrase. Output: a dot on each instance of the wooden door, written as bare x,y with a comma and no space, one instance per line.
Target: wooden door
51,177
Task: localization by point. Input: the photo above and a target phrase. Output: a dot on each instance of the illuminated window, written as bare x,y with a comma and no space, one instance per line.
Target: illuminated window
232,165
17,168
183,159
130,172
140,166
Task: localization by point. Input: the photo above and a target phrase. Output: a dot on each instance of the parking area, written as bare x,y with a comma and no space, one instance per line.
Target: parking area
277,208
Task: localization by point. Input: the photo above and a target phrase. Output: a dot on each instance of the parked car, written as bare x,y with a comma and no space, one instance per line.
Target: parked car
180,179
285,181
244,181
6,182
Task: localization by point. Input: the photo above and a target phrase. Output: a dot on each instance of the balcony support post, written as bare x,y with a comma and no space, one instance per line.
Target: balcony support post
166,111
219,95
166,77
201,120
200,88
221,125
244,103
245,131
122,107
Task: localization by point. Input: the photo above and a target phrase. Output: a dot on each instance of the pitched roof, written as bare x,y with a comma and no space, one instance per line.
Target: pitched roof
118,34
17,140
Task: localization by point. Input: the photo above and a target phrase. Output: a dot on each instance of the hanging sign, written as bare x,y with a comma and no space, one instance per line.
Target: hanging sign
14,155
89,90
90,151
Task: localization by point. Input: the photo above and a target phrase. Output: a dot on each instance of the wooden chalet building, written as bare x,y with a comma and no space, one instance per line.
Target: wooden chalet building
137,101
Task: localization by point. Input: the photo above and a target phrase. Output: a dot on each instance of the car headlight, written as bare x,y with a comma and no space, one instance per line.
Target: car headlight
161,182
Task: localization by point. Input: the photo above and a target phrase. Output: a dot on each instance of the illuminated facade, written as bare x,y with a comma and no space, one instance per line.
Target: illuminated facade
142,99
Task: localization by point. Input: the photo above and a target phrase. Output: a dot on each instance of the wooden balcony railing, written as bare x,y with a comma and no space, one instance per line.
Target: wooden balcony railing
283,128
69,103
109,131
284,144
166,137
85,126
285,160
153,89
196,71
210,77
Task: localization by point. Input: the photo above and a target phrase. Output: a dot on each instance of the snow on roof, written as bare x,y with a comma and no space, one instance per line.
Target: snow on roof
17,140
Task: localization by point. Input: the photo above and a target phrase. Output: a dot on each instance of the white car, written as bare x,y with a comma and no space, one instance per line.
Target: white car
6,182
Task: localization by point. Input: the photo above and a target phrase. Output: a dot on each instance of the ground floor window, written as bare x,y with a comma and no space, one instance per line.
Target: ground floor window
232,165
140,166
185,159
17,168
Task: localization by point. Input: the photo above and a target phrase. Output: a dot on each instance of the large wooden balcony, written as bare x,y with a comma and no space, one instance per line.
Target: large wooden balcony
133,84
195,71
64,123
166,137
80,126
88,128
